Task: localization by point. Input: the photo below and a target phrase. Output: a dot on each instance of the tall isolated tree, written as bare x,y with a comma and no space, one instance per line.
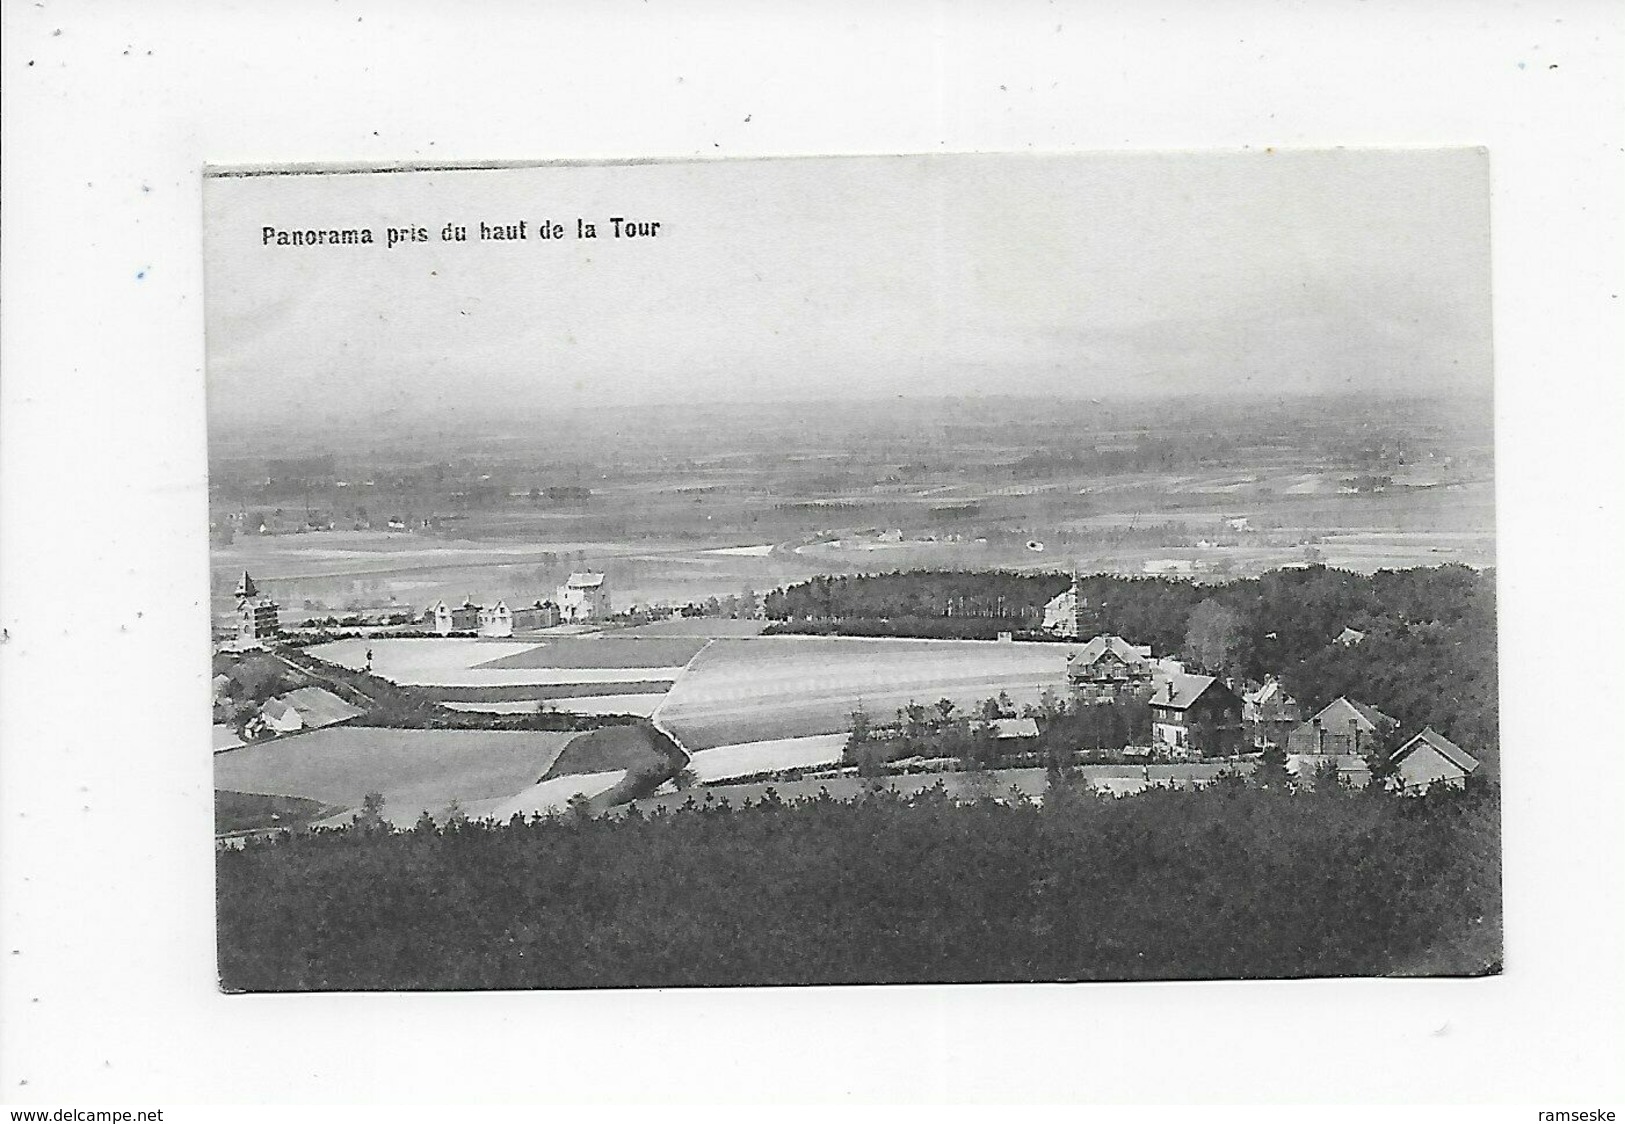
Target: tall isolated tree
1213,636
371,815
914,719
862,730
1379,758
1272,771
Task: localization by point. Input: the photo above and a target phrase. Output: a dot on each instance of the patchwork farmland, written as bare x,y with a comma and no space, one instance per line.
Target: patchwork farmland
583,675
781,687
415,770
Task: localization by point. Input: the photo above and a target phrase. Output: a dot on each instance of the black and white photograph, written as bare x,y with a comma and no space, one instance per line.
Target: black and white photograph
690,556
908,569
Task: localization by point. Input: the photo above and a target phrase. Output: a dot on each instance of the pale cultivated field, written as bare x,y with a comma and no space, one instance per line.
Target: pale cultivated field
604,650
547,796
416,770
744,760
465,663
761,551
404,661
779,687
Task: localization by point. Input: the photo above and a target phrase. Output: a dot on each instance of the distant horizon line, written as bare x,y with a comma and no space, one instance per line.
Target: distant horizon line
738,404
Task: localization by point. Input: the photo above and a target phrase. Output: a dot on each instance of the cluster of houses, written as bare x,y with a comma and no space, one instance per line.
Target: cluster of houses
1196,716
583,597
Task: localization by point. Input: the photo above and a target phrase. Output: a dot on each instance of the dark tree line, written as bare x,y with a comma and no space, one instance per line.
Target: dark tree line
1230,881
1002,599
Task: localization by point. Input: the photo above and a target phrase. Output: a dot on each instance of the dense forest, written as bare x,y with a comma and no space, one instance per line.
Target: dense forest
1428,656
1229,881
1000,598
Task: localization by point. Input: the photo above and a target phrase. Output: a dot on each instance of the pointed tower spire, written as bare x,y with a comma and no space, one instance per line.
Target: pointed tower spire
246,587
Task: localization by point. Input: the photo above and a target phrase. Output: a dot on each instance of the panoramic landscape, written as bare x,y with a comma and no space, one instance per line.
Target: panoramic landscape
1118,602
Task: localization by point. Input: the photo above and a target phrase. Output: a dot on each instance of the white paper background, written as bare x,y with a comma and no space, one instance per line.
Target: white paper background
106,884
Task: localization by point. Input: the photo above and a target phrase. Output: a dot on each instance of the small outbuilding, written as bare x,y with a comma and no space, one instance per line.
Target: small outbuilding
1431,758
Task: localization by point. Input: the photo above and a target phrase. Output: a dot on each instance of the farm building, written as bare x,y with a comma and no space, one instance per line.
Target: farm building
1270,713
438,617
308,708
1349,637
447,619
1109,669
495,621
584,597
1431,758
1195,715
543,614
318,707
489,620
1343,726
278,716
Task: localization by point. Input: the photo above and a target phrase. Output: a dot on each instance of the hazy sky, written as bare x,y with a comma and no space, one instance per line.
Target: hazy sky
857,277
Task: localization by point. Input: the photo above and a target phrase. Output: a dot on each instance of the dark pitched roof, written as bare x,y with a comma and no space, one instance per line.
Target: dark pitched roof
1186,689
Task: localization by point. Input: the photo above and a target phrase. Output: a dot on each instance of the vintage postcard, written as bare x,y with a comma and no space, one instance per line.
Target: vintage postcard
1000,567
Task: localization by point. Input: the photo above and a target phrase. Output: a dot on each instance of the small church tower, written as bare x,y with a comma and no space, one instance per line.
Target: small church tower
256,615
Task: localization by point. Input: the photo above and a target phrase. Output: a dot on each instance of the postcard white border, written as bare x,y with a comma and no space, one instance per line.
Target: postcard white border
106,905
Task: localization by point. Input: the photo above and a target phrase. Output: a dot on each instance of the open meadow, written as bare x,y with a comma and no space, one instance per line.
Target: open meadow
549,797
751,758
777,687
416,770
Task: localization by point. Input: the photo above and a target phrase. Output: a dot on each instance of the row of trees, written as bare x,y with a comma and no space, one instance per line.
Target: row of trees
1225,882
1006,599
